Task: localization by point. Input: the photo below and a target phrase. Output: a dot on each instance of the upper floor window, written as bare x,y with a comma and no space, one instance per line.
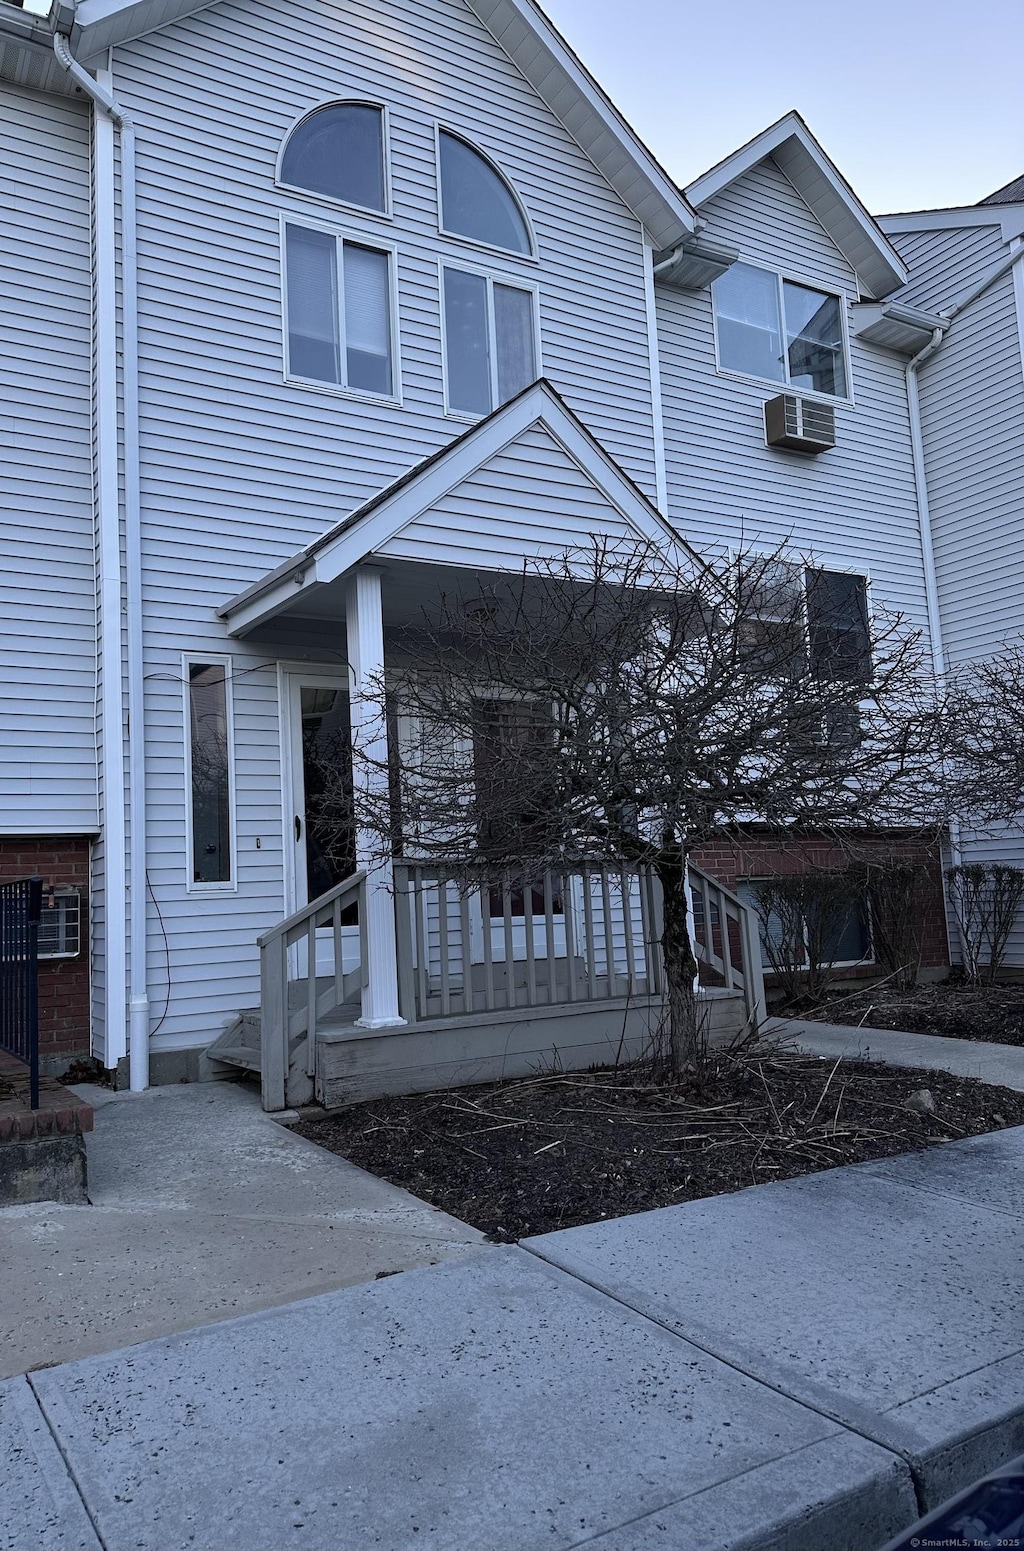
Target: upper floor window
476,202
490,341
776,329
339,311
338,151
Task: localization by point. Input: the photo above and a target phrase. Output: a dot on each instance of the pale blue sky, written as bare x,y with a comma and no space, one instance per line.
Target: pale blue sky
920,104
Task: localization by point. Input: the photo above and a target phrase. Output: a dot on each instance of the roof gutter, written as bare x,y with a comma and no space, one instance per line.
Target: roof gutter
123,929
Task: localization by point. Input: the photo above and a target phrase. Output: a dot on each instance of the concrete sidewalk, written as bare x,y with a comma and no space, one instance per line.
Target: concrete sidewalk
203,1207
797,1367
1002,1065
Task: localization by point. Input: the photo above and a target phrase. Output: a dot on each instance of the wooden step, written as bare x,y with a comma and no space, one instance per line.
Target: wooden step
241,1055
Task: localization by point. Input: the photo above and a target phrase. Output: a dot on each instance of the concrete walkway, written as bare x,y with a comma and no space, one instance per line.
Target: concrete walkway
203,1207
797,1367
1002,1065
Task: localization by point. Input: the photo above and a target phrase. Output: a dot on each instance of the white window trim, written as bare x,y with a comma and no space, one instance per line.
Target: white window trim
343,234
842,296
496,167
493,278
387,214
210,659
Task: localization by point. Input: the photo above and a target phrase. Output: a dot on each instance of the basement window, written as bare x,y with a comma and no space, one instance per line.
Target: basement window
60,927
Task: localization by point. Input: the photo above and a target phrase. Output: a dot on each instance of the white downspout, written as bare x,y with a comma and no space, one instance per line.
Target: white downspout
654,357
120,929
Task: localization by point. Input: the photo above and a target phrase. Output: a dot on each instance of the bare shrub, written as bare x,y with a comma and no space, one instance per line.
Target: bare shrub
986,899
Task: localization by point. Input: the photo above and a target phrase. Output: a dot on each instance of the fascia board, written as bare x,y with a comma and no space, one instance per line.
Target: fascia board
102,24
1009,219
826,194
545,59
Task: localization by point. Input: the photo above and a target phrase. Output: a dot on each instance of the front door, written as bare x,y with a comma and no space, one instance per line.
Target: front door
321,836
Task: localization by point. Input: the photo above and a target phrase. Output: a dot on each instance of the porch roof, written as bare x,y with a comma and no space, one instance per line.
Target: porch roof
300,585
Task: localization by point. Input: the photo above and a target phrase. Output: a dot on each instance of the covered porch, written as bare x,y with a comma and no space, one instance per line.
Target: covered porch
394,973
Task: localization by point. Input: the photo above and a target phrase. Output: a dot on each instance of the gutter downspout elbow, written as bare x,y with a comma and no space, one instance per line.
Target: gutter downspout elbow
138,994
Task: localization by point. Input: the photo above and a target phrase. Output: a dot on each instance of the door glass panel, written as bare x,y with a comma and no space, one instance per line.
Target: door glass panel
327,776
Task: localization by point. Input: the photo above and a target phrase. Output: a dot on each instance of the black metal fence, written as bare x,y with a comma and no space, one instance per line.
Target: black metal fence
21,906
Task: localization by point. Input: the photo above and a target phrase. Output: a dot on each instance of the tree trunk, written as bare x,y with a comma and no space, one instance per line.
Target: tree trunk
685,1033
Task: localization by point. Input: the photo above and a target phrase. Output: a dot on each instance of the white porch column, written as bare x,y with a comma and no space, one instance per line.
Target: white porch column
365,628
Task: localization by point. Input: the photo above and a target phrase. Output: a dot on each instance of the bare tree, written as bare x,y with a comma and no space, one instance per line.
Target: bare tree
985,739
622,703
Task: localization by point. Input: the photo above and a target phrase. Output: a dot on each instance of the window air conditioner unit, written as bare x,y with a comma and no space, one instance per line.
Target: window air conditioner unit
802,425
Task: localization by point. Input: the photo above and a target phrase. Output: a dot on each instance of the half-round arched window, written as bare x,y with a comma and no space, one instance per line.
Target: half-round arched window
338,151
476,202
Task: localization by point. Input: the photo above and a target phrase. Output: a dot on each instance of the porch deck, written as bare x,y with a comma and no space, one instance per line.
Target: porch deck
490,984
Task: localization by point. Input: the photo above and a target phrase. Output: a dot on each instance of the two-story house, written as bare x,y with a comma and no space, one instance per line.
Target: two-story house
313,313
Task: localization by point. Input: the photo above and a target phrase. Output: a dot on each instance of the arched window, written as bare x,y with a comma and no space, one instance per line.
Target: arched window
476,202
339,151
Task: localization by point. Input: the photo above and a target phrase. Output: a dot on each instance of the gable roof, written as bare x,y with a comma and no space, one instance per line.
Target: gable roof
1011,193
824,190
539,52
368,529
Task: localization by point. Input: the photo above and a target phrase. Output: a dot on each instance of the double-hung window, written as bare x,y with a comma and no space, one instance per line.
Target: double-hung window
773,328
490,340
339,311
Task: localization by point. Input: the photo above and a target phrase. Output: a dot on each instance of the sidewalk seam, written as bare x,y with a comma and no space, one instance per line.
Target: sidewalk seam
101,1541
730,1362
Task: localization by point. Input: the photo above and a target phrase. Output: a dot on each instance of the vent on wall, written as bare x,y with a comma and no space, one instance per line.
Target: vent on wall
802,425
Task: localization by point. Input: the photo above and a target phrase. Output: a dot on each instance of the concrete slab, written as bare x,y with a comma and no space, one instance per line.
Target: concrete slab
882,1300
40,1510
984,1170
1002,1065
490,1403
203,1208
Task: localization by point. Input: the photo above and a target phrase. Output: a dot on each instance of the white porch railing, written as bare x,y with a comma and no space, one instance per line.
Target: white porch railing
472,942
727,941
295,998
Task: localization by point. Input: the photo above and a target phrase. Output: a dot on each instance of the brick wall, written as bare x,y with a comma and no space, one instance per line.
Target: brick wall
731,861
63,983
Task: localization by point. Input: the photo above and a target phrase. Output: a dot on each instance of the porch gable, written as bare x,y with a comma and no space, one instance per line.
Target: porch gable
530,482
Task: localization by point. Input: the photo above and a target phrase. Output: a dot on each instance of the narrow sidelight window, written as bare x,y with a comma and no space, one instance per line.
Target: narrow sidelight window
210,772
339,312
490,340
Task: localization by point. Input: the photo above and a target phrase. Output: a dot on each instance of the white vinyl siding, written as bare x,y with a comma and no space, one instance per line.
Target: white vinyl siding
48,780
494,519
241,469
972,416
854,507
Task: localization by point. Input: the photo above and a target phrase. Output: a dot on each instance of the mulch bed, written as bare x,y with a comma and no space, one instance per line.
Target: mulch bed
531,1156
987,1013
